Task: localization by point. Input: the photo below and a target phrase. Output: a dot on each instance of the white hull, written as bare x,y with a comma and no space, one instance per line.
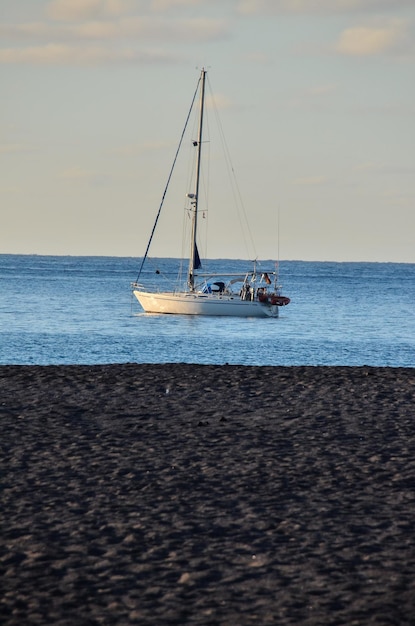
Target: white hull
203,304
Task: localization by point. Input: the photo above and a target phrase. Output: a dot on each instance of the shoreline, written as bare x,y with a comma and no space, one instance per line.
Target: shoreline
207,494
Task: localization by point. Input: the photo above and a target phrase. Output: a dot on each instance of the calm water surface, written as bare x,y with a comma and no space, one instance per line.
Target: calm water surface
69,310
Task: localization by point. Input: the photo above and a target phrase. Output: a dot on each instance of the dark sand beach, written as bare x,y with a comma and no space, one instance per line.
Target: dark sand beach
189,494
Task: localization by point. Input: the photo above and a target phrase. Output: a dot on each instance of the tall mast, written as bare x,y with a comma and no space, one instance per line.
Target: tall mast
194,255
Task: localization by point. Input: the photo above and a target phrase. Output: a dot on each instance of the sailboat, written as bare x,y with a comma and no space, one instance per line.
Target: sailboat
254,293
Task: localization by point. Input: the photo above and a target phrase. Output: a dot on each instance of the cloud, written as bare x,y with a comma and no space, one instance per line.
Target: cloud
16,148
7,189
78,31
74,10
311,180
257,58
165,5
154,146
78,174
403,199
372,40
57,54
134,27
367,166
310,7
78,10
313,98
321,90
384,169
147,147
29,30
218,102
197,29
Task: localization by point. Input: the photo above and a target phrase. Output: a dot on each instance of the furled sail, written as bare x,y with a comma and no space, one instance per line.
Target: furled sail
197,264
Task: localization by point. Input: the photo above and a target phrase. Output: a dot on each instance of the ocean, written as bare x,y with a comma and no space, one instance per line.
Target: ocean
79,310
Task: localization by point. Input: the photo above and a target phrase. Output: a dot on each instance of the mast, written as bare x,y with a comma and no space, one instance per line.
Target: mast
194,261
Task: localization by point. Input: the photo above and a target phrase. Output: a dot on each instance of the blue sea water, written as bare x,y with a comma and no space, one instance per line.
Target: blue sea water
79,310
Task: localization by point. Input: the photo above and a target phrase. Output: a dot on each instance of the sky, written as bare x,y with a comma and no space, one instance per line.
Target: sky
316,99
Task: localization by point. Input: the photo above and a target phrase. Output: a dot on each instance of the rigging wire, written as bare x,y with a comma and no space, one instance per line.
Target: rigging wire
205,186
168,182
232,176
